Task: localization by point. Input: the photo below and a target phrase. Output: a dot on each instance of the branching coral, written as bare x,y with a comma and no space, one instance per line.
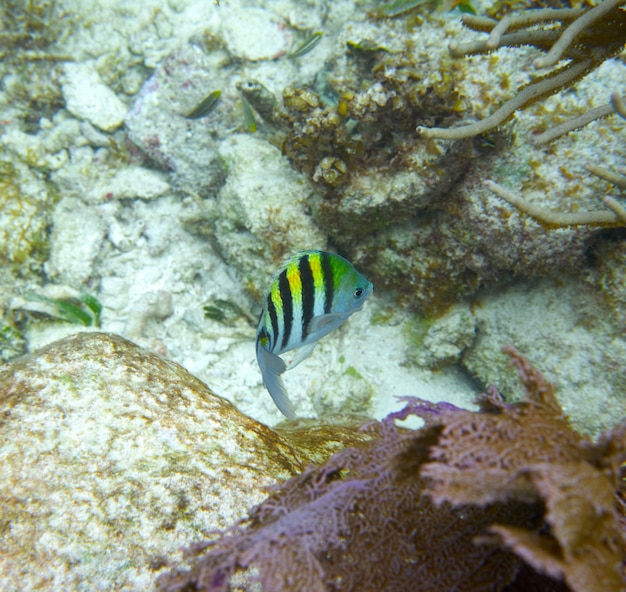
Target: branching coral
616,213
506,497
555,219
591,37
614,216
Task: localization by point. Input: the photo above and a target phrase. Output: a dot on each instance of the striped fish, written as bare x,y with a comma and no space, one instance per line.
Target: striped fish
311,294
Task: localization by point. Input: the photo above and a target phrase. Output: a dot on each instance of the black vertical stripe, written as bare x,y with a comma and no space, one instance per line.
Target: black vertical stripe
274,320
329,283
308,293
285,294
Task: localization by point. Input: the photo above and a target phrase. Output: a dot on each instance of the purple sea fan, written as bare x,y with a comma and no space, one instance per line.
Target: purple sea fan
351,525
502,498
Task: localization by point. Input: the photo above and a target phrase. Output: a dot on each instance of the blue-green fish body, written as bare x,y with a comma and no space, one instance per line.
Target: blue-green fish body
310,296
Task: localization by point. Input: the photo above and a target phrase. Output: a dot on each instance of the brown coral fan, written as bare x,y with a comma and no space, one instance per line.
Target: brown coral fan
528,453
514,500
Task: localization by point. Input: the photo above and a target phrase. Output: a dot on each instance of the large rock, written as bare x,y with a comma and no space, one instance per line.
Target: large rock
112,459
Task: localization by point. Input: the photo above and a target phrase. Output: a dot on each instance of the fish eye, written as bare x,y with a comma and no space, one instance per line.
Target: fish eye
358,292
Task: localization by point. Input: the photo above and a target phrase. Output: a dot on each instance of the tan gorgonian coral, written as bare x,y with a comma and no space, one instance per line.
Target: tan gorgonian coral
584,37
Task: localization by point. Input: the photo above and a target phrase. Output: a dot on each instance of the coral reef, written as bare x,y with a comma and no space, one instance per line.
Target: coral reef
166,213
490,499
409,208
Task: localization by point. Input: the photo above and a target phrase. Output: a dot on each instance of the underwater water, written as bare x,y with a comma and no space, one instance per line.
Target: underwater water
161,160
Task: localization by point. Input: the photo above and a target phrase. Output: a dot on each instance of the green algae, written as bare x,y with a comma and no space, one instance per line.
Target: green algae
25,206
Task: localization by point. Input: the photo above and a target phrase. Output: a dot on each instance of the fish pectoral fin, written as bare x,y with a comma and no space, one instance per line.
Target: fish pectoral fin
272,366
324,324
302,353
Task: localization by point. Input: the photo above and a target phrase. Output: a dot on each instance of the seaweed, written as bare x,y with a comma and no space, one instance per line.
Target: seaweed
30,24
84,310
505,498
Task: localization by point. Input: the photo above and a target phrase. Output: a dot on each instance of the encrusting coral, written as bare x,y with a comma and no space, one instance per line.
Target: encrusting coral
508,497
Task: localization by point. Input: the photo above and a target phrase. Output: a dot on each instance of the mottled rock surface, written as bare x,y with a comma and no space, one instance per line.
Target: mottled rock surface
157,125
260,216
72,259
87,97
551,321
112,459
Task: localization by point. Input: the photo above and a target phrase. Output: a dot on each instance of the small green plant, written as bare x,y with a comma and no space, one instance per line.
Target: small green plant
84,310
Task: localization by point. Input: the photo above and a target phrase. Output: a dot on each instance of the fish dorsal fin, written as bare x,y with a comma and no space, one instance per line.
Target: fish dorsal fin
272,366
300,354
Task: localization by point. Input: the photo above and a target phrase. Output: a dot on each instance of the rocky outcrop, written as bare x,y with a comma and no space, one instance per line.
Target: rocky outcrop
112,459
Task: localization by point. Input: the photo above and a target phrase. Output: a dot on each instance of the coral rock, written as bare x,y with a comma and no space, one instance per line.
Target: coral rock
260,215
87,97
111,459
157,125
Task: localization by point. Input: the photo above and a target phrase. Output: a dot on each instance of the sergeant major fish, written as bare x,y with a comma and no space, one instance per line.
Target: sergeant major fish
311,294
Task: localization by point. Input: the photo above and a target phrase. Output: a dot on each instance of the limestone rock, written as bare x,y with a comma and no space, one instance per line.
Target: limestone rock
448,337
87,97
260,216
255,34
558,325
92,179
157,124
75,245
112,459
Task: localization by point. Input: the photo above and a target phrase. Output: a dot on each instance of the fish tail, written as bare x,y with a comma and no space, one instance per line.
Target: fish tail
272,366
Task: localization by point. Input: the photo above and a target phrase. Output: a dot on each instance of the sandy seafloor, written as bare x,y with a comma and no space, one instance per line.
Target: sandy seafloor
118,230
